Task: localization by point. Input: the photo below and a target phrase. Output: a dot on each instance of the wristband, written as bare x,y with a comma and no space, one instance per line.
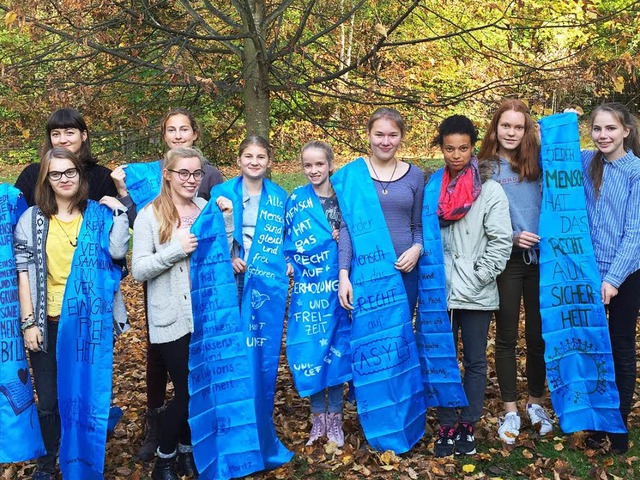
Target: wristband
27,322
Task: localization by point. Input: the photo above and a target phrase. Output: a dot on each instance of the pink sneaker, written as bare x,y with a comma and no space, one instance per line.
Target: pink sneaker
334,429
318,427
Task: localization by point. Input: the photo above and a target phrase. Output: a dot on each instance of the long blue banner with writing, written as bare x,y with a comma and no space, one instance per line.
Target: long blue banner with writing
85,348
386,368
318,328
578,355
440,370
20,439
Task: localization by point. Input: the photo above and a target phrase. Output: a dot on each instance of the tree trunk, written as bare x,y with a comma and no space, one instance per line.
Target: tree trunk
255,72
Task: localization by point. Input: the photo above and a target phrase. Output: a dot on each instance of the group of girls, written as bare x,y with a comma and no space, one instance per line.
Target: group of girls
488,207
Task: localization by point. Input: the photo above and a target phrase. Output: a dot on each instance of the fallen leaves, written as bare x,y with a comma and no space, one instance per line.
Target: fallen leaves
356,460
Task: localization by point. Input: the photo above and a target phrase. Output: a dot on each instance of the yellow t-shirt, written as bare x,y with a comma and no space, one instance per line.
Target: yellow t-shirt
60,249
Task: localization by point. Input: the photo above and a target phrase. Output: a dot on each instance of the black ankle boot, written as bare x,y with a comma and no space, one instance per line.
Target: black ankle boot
165,469
150,443
619,443
186,466
595,440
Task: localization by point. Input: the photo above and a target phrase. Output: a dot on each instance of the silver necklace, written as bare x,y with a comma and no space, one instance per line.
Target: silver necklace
384,187
65,232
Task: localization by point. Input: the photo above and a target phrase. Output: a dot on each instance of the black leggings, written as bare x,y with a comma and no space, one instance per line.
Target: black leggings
519,281
157,375
623,318
174,427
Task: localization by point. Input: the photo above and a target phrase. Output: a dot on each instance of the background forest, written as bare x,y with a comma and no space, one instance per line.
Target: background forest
301,69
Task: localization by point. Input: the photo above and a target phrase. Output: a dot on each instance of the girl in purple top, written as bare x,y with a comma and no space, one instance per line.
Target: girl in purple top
400,189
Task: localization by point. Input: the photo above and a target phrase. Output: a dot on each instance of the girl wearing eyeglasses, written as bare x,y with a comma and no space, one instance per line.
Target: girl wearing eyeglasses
162,244
47,239
178,129
66,128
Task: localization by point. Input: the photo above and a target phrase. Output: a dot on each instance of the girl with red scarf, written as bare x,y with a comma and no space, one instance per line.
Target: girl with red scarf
476,241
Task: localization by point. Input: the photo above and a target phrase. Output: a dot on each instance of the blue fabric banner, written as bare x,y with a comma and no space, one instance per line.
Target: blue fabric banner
234,358
578,355
143,181
385,363
85,348
440,371
20,438
318,328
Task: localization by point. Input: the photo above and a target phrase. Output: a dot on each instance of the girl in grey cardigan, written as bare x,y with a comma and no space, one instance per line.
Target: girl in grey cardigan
162,244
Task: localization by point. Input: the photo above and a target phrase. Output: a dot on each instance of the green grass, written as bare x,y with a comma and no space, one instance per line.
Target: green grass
289,181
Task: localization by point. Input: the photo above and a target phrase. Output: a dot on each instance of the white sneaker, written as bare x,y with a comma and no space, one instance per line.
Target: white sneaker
318,427
539,418
509,428
334,429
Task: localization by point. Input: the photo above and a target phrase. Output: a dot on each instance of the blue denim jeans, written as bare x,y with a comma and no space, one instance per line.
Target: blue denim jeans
45,379
332,403
473,325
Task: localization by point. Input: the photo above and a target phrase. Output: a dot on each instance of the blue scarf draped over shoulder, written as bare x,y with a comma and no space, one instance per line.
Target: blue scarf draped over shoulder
440,371
578,356
85,348
385,363
318,328
234,356
20,439
143,181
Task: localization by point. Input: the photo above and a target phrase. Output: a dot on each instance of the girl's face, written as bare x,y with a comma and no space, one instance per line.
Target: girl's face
384,138
69,138
316,166
254,162
510,132
457,150
608,134
65,187
183,189
178,131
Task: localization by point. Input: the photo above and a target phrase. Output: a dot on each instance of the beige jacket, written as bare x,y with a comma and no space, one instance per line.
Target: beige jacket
476,249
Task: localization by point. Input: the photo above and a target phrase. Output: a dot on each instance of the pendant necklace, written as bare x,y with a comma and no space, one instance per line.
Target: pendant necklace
74,245
384,187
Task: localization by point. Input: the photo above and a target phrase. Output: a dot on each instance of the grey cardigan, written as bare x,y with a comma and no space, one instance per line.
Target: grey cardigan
30,239
165,268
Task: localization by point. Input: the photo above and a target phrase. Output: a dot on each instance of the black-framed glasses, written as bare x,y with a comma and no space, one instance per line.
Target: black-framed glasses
69,173
184,175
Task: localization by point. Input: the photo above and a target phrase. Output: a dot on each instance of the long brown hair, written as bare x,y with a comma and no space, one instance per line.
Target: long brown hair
525,159
163,205
631,142
45,196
